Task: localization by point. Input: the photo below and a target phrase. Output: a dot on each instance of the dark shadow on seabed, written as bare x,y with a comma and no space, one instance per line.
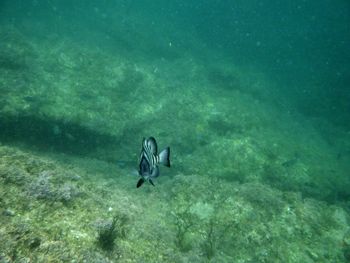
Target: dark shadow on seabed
53,135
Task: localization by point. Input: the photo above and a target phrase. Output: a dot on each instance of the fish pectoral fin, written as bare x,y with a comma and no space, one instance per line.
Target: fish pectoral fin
151,182
140,182
155,172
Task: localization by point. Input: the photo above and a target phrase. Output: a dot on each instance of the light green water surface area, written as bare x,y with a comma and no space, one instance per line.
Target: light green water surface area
252,97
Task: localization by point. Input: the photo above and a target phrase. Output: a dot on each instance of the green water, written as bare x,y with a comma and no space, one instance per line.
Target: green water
252,97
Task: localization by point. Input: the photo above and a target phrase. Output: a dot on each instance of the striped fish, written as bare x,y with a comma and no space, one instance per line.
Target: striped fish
150,159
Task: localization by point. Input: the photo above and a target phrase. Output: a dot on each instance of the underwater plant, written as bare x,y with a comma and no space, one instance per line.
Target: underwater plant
209,245
204,218
216,229
44,188
13,175
184,221
110,230
41,188
66,192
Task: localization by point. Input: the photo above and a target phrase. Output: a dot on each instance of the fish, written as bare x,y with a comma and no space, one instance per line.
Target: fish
291,162
150,161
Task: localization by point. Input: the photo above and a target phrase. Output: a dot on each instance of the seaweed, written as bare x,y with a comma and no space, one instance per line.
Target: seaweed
109,231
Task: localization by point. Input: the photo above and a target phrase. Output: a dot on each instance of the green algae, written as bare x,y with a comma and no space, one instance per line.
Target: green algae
212,218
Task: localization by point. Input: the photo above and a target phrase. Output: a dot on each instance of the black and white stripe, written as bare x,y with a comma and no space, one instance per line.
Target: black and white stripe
149,161
149,153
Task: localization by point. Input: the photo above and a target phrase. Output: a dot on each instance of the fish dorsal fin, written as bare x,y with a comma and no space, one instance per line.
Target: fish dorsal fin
152,145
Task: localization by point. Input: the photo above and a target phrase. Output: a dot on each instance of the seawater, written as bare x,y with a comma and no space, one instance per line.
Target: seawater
252,97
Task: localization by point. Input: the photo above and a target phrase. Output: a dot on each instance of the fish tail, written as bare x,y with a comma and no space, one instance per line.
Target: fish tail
164,157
